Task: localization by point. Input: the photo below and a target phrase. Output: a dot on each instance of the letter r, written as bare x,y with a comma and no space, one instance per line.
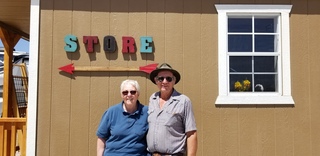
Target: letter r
128,45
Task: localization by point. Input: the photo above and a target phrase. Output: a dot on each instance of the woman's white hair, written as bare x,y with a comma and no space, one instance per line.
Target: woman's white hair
134,83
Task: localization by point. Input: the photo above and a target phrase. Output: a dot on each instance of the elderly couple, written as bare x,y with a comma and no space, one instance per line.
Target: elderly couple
166,128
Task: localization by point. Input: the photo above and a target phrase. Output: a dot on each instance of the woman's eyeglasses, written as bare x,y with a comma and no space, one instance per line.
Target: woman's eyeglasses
161,79
132,92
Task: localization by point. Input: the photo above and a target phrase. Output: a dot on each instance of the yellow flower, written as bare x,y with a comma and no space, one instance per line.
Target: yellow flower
244,86
238,85
246,82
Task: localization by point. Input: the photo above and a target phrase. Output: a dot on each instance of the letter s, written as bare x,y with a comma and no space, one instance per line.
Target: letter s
71,43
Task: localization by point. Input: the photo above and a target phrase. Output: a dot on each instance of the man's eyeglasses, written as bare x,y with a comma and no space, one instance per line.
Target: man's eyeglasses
161,79
132,92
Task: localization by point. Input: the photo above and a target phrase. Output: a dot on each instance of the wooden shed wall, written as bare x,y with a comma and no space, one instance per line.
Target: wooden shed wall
185,36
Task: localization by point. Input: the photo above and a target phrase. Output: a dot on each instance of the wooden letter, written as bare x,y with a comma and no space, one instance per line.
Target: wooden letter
109,44
71,43
146,44
128,45
89,41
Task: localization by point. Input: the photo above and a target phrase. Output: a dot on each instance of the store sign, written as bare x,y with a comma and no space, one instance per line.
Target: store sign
109,44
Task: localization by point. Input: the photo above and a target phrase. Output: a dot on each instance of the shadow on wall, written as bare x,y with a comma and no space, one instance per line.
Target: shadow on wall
201,7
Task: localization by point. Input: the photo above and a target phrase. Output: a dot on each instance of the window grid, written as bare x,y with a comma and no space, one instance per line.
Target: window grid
281,52
254,33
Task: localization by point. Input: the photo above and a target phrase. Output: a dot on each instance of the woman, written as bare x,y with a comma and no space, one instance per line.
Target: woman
123,127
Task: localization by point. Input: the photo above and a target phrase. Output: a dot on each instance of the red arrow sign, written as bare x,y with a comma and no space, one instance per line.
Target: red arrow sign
70,68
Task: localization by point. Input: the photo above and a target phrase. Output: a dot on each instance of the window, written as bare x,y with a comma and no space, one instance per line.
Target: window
254,54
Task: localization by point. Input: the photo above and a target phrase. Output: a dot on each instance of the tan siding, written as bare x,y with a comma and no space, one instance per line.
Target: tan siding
209,143
229,123
314,82
229,131
59,105
174,37
248,131
284,131
300,69
119,23
191,74
61,94
137,28
99,81
265,130
155,28
314,30
45,83
185,35
79,110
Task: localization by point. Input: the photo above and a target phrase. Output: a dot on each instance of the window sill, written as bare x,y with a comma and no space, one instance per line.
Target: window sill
252,100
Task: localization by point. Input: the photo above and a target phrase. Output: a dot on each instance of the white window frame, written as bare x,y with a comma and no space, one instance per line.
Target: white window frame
283,96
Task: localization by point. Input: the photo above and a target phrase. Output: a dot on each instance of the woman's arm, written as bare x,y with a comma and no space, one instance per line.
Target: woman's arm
101,143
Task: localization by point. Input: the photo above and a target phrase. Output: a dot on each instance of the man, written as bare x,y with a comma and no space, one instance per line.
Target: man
172,126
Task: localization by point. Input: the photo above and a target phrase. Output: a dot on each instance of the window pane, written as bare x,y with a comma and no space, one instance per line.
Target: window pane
239,25
264,25
239,43
265,67
264,43
265,64
265,82
240,63
239,83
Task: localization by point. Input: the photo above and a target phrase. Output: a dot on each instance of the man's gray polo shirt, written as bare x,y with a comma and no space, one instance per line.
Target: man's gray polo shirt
168,127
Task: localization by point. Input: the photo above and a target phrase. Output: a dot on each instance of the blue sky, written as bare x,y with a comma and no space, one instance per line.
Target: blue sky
22,45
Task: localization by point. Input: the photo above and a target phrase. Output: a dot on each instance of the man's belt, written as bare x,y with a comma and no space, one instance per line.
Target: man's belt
166,154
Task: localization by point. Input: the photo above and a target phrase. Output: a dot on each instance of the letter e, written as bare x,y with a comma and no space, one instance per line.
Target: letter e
146,44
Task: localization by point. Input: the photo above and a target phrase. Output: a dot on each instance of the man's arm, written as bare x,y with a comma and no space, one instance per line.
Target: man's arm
192,143
100,146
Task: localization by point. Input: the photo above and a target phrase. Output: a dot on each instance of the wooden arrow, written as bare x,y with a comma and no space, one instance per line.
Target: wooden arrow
70,68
